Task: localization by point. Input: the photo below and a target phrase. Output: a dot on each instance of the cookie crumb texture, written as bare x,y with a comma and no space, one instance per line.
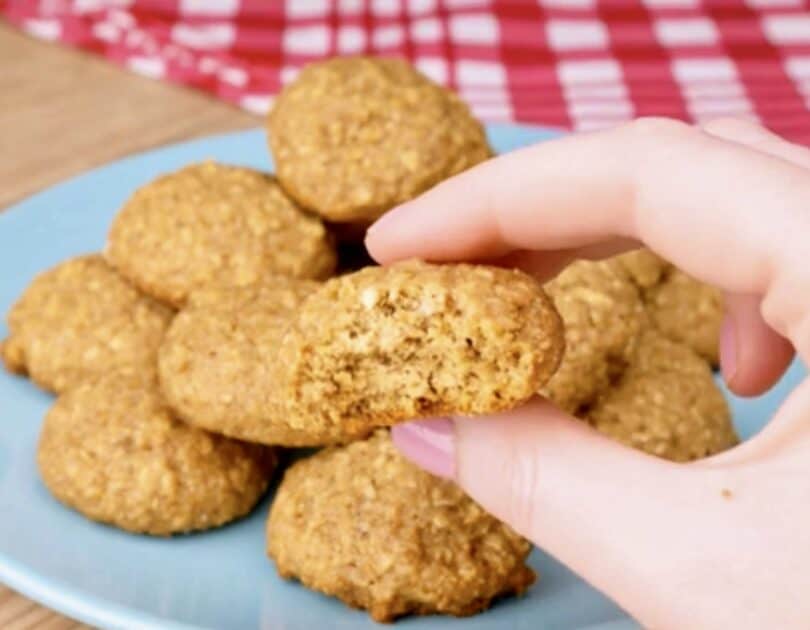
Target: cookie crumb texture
353,137
363,524
218,362
112,451
666,403
212,224
688,311
642,267
388,344
80,320
603,315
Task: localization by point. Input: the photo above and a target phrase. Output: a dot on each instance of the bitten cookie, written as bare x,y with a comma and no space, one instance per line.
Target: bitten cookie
218,361
111,450
80,320
603,314
688,311
363,524
666,403
388,344
353,137
214,224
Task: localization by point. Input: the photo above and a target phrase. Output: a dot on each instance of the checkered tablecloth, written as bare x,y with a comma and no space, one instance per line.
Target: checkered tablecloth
578,64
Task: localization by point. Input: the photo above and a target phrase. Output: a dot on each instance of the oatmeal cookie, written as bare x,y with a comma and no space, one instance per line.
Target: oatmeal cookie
666,403
80,320
603,315
111,450
218,362
688,311
363,524
353,137
388,344
214,224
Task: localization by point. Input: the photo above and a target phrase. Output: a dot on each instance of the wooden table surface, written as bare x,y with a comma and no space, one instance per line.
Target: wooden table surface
61,113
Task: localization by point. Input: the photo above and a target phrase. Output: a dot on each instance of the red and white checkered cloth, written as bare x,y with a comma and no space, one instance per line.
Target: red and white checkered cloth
578,64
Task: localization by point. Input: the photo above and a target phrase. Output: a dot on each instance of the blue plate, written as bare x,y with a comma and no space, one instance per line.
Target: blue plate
219,579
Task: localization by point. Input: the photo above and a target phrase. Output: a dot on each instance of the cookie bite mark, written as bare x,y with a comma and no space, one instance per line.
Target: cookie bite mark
363,524
388,344
213,224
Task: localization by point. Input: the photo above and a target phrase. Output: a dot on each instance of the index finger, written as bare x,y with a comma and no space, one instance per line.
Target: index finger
725,213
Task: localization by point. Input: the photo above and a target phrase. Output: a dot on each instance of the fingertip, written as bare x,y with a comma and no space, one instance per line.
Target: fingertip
382,236
770,369
753,356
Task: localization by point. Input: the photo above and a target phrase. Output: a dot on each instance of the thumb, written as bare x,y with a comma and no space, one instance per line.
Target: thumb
617,517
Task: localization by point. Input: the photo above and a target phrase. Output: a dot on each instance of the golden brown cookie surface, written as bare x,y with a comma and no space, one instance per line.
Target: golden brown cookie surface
603,314
363,524
214,224
80,320
388,344
666,403
643,267
688,311
352,137
218,361
111,450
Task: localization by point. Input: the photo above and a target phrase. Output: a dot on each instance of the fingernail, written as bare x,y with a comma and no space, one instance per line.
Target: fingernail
430,444
728,349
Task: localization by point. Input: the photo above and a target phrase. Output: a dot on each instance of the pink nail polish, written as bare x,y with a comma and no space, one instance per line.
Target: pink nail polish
728,349
430,444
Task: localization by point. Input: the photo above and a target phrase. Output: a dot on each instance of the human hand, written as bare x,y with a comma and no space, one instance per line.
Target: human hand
723,542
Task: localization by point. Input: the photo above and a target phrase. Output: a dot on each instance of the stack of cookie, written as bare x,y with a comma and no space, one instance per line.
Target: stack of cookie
213,330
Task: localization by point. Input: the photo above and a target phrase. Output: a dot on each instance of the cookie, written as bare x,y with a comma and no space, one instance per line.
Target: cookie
218,361
688,311
80,320
603,314
111,450
666,403
388,344
642,267
214,224
363,524
353,137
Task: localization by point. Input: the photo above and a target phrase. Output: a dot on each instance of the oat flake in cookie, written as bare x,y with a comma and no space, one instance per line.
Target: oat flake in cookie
215,224
389,344
111,450
363,524
80,320
353,137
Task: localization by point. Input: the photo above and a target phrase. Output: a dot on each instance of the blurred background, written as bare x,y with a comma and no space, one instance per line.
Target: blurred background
83,82
573,64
